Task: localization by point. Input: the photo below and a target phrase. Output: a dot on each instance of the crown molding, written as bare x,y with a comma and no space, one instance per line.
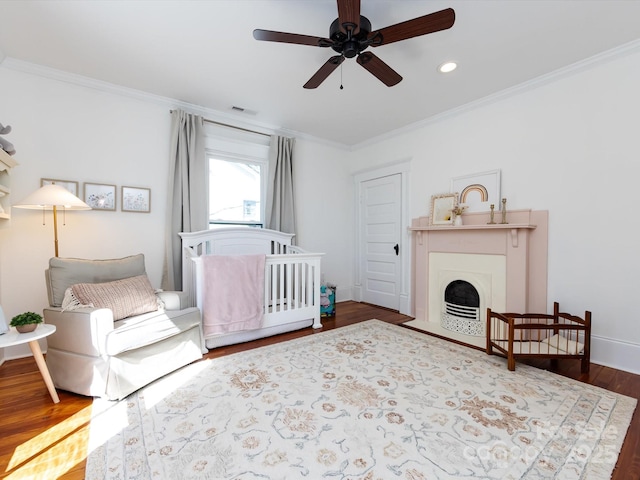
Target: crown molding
216,115
170,103
564,72
79,80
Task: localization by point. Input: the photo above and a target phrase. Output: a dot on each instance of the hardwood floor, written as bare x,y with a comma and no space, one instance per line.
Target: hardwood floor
43,440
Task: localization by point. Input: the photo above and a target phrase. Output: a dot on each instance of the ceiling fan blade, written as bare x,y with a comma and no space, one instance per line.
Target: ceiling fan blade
324,71
433,22
271,36
379,69
349,15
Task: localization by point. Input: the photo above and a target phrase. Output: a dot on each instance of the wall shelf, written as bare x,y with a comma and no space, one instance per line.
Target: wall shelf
6,164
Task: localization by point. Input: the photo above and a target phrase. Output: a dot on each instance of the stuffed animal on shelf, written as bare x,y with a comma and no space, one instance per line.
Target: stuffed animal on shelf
5,145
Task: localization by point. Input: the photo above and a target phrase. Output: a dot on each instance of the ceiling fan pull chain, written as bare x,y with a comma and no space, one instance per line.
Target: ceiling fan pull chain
341,87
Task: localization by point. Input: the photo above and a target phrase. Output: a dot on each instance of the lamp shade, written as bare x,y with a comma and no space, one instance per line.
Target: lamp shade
50,196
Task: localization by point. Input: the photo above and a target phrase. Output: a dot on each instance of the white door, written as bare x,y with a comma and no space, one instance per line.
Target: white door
381,235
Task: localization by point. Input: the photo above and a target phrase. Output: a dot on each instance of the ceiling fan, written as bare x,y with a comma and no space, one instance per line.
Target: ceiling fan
350,35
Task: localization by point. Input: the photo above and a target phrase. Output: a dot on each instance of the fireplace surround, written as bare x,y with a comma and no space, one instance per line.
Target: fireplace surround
503,265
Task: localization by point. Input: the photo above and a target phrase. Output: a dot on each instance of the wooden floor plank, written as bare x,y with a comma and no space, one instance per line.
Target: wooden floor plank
40,439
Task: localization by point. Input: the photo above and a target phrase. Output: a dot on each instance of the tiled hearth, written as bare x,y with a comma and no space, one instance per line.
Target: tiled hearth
458,272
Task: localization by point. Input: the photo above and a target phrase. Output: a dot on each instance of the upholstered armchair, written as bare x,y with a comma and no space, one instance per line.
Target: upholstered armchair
114,333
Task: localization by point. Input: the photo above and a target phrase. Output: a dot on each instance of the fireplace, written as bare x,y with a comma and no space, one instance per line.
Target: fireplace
461,302
461,288
461,309
460,271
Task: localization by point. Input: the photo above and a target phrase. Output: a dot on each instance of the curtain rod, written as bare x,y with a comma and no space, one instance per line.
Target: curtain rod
231,126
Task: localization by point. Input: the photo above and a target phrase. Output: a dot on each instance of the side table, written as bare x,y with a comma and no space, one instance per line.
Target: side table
12,337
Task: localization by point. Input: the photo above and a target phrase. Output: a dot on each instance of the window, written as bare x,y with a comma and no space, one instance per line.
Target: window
238,172
236,191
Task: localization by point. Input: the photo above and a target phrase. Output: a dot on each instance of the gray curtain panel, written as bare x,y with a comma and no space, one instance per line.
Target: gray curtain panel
187,202
280,208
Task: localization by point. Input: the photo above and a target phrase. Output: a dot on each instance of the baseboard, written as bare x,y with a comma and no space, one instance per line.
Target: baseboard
355,293
405,304
22,351
344,294
615,354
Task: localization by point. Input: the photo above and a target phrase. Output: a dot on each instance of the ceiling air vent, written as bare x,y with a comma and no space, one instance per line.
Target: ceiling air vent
246,111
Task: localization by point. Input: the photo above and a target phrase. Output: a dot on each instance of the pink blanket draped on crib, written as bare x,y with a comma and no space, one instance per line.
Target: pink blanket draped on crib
233,293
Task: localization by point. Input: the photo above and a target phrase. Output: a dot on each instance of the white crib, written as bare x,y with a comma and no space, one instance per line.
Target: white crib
292,278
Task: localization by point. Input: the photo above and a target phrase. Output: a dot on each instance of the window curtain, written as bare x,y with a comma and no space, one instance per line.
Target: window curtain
280,209
187,202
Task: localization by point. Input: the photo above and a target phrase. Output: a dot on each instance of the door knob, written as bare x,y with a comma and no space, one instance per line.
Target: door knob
396,248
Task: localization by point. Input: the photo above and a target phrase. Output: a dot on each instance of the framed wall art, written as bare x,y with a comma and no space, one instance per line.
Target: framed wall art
100,196
68,184
441,206
478,191
136,199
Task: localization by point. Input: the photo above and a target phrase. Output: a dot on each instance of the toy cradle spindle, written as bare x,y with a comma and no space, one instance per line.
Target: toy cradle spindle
539,335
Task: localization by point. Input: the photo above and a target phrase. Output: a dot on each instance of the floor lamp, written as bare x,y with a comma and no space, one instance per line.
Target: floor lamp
53,197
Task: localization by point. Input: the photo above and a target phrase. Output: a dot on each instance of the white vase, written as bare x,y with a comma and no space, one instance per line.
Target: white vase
457,221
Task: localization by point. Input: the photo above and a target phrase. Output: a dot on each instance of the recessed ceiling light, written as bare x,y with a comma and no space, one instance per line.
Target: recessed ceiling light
447,67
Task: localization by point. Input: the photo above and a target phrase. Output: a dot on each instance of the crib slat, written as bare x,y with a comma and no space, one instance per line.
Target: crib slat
289,282
274,288
304,298
295,280
267,289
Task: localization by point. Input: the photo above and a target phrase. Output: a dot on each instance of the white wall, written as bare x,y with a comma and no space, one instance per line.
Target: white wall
324,216
568,145
65,131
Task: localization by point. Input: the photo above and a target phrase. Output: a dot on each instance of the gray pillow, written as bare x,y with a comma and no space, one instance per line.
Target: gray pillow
65,272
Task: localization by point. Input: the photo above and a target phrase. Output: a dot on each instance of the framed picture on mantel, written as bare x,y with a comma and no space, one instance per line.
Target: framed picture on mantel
478,191
441,207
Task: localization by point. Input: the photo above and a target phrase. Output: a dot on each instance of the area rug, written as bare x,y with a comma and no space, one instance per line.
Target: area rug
367,401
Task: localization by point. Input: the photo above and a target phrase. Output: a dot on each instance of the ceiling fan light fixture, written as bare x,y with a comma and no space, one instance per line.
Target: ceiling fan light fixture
350,35
447,67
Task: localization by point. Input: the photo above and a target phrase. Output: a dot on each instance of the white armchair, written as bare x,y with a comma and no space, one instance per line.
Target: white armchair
125,341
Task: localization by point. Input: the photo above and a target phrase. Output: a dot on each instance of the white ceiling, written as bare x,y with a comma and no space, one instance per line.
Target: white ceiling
203,53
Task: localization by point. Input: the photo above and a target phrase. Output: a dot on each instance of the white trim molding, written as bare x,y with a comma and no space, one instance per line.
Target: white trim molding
615,354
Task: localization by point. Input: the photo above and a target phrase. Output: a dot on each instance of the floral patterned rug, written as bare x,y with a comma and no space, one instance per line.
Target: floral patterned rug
368,401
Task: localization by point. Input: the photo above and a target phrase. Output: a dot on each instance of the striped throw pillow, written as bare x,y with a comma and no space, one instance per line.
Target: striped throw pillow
125,298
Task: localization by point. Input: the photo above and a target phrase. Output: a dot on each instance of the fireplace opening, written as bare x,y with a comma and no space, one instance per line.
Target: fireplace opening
462,299
462,309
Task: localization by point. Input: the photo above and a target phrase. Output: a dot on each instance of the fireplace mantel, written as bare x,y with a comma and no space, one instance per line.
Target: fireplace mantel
522,242
512,227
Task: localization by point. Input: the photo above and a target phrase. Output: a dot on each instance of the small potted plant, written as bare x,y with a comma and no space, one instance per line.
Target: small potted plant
26,322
